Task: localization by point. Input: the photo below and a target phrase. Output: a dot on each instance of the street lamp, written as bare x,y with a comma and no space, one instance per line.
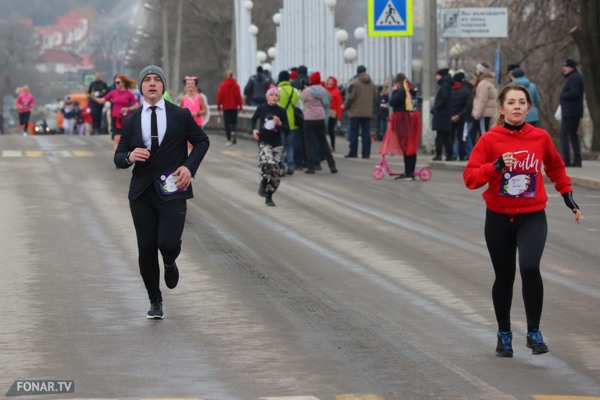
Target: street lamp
341,36
277,19
350,54
253,30
455,53
261,56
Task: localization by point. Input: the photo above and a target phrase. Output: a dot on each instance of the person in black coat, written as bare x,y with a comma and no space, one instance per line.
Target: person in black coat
571,105
460,108
155,142
442,117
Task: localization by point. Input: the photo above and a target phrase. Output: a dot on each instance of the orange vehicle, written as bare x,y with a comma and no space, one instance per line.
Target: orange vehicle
81,98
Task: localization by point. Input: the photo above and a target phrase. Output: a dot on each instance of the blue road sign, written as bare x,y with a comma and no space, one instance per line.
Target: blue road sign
390,17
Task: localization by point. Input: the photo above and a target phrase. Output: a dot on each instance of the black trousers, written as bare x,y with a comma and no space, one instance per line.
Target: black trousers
569,135
443,140
158,227
457,134
316,144
504,234
230,121
96,111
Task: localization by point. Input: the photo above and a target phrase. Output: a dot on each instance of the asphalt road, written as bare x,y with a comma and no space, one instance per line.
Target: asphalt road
350,288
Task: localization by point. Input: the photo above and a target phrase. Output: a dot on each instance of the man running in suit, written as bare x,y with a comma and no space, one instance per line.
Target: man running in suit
154,140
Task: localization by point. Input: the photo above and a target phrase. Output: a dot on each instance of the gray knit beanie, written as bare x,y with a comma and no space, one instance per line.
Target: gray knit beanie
152,69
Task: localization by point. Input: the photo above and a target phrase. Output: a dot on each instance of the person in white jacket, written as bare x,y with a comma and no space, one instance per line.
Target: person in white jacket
484,99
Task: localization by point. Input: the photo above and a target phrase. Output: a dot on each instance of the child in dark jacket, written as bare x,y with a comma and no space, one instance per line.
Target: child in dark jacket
273,121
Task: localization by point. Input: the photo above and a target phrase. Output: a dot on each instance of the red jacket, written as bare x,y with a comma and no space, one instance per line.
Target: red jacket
336,98
520,189
229,96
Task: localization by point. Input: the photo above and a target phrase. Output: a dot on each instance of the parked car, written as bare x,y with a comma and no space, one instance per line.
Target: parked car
47,126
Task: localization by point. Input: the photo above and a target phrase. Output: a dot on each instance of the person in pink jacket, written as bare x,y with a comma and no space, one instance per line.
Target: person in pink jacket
509,159
25,103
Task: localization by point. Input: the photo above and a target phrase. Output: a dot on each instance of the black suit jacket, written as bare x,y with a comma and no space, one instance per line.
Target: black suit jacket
172,153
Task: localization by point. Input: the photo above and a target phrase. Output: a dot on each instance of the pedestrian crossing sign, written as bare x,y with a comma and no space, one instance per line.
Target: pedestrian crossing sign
390,17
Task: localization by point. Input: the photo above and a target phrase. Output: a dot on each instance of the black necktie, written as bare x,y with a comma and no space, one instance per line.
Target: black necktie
153,131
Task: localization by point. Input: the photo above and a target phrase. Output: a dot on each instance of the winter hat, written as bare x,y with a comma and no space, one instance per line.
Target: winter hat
315,78
482,67
361,69
302,70
272,90
293,75
459,77
510,67
152,69
570,63
517,73
442,71
283,76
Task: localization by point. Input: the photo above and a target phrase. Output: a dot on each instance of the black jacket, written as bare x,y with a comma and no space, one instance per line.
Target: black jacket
462,101
172,153
571,96
441,110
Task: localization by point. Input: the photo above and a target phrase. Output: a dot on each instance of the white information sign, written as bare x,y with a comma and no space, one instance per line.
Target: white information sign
479,22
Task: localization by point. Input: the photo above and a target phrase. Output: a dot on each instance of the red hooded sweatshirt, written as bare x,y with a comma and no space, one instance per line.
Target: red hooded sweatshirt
336,98
229,96
519,189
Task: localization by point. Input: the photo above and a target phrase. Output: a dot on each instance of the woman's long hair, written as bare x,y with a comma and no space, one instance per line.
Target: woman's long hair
127,81
499,118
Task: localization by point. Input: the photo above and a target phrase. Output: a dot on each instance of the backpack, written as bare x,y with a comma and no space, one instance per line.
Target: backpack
298,113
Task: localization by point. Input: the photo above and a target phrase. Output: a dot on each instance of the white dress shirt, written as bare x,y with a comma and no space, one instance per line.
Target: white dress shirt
161,119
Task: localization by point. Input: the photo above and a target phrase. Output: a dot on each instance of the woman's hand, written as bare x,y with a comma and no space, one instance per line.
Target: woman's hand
506,160
577,215
255,134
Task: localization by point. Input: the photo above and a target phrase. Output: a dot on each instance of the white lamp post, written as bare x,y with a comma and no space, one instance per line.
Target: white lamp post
261,56
360,34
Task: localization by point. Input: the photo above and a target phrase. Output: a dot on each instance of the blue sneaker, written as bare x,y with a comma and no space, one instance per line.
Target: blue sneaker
504,347
535,342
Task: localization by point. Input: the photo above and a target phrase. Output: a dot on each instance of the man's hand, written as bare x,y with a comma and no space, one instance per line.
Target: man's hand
184,177
139,154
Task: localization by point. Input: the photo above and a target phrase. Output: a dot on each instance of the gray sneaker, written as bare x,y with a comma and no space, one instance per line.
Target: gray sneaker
155,311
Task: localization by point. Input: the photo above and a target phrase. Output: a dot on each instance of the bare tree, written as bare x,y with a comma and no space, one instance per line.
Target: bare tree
539,40
587,36
17,53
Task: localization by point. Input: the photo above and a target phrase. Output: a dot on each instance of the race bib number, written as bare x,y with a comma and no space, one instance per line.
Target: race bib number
166,182
518,184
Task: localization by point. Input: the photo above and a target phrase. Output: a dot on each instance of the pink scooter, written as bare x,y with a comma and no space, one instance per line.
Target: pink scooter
380,169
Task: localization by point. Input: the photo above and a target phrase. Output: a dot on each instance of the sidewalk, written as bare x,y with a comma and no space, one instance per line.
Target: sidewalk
587,176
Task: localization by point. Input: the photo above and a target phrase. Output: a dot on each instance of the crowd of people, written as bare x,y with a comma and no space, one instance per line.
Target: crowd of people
497,132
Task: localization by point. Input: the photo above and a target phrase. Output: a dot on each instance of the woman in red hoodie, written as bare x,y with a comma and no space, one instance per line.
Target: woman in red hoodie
335,108
229,102
509,160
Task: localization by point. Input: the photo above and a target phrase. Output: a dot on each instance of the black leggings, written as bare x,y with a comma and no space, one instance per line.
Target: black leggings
409,164
24,120
331,131
504,234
